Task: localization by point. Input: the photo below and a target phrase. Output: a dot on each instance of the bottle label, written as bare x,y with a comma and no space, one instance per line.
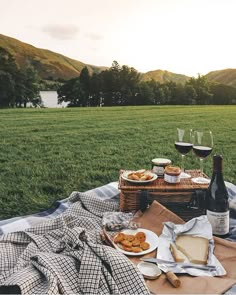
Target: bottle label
219,222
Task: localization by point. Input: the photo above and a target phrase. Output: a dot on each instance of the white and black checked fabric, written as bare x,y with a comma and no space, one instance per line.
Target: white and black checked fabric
108,192
65,255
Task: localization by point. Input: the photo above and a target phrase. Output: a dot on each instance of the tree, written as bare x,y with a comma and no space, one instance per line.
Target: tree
115,67
145,94
119,85
223,94
7,62
129,81
85,82
8,74
96,98
17,86
28,87
171,89
72,92
7,89
202,89
108,88
190,94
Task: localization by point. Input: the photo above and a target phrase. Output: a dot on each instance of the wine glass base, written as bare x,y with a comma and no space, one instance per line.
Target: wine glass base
200,180
185,175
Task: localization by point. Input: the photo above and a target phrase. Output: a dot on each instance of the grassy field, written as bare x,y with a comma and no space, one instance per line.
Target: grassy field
45,154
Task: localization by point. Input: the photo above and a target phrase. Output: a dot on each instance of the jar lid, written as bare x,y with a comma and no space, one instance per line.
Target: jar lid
173,170
161,161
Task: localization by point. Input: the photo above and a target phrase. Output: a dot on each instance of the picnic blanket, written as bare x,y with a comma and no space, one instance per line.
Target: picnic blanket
66,255
40,239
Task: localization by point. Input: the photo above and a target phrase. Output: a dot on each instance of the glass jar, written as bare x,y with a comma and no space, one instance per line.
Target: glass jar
172,174
159,165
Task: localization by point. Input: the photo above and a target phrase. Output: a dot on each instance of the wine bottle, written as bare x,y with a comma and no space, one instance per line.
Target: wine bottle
217,203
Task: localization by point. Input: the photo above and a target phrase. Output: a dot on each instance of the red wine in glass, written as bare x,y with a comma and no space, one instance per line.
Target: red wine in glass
202,151
183,147
202,147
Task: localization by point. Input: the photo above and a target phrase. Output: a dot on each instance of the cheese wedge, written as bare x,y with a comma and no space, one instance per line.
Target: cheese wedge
178,255
194,248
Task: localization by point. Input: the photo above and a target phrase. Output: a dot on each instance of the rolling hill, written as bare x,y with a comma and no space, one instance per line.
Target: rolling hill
164,76
51,65
227,77
47,63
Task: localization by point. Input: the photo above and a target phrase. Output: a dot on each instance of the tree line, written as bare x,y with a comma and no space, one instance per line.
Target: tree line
123,85
17,86
116,86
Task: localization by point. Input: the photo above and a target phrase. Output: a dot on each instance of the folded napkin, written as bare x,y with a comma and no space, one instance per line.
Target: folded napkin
153,219
114,221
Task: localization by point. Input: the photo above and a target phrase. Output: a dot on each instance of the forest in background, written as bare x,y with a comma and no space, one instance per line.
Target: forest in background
115,86
123,86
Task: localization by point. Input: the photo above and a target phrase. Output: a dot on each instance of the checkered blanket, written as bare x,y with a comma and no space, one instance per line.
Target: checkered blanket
65,255
108,192
60,250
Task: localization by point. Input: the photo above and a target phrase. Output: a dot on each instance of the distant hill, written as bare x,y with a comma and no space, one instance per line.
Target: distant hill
164,76
47,63
51,65
227,77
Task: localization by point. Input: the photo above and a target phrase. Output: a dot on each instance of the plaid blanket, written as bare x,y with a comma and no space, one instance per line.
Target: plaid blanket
65,255
60,251
108,192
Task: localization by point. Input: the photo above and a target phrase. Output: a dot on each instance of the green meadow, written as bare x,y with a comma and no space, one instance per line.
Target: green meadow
45,154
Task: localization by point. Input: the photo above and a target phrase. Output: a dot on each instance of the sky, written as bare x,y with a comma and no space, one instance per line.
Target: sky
187,37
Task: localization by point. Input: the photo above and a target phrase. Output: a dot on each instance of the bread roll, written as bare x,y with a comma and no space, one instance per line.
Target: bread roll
194,248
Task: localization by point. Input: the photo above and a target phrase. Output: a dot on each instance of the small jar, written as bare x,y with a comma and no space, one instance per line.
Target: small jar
172,174
159,165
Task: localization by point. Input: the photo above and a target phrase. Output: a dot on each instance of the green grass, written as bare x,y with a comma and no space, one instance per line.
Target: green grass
45,154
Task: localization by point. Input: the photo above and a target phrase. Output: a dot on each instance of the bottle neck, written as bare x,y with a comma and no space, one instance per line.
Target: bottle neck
217,165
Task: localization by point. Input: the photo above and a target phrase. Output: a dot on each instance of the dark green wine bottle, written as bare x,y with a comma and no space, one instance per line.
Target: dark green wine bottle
217,201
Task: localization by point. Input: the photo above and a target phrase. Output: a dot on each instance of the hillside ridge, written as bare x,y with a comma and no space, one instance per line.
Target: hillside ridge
164,76
53,66
47,63
226,76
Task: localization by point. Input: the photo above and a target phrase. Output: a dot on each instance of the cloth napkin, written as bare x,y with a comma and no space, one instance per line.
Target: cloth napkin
153,219
116,220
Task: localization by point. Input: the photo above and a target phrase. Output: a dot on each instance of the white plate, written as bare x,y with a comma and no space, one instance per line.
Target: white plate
185,175
201,180
126,173
151,238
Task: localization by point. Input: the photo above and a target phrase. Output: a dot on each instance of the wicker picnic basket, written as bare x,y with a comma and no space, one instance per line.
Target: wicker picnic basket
186,199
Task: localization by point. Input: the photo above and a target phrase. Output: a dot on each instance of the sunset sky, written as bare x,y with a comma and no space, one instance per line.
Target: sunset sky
182,36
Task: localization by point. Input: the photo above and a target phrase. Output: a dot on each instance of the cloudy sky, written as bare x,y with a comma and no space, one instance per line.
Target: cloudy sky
183,36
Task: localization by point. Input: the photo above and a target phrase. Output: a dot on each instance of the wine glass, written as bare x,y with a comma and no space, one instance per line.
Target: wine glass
202,147
183,145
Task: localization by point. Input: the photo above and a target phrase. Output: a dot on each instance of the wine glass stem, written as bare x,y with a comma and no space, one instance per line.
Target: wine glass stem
201,165
182,162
